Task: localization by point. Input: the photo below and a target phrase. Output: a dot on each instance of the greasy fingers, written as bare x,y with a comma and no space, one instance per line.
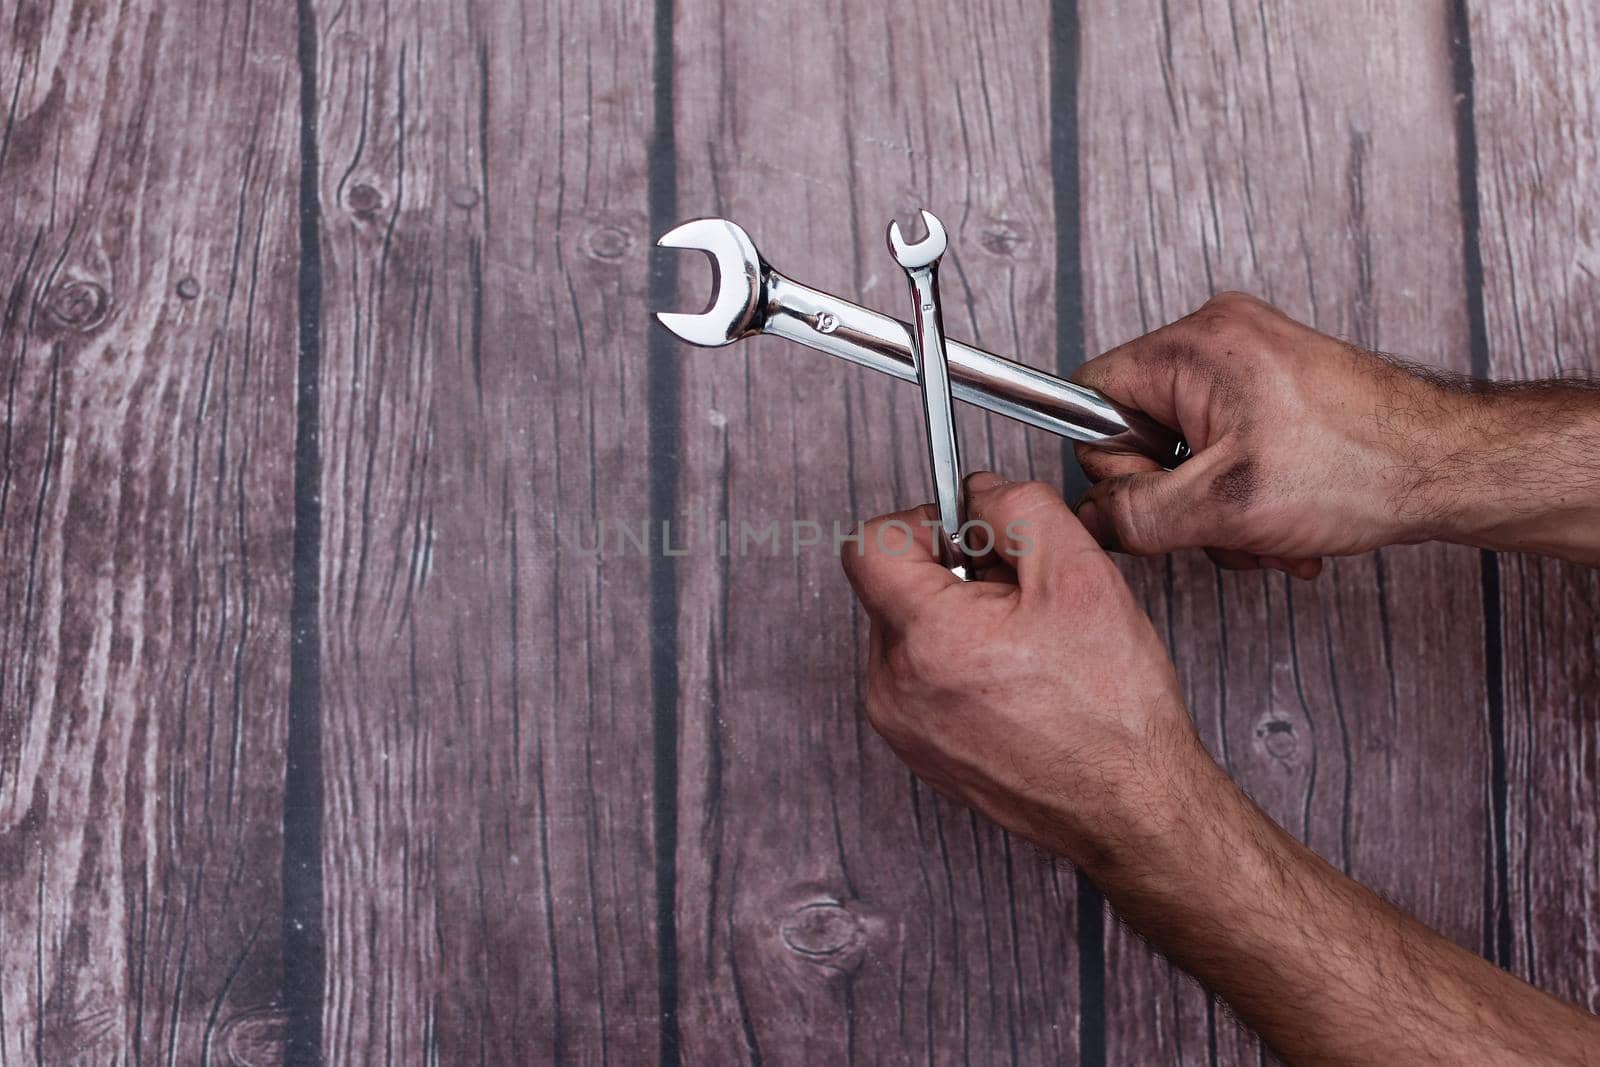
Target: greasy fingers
1184,374
1154,512
1304,445
1102,463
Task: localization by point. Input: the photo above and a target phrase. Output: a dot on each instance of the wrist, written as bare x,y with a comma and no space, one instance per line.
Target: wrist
1150,809
1519,474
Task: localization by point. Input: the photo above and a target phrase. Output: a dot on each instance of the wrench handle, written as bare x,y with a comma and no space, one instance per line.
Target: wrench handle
851,332
944,450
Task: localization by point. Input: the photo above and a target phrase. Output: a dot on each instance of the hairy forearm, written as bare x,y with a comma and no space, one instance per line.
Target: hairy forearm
1318,965
1523,469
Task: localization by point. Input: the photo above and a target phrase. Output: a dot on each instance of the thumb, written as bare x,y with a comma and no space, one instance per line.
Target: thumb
1155,512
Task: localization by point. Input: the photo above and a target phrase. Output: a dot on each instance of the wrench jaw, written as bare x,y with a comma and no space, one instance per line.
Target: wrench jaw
737,288
926,252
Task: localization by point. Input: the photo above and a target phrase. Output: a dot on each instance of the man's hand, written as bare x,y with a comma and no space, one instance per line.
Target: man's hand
1306,446
1047,702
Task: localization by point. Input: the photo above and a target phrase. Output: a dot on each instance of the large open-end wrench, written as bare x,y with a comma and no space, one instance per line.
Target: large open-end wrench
753,298
920,261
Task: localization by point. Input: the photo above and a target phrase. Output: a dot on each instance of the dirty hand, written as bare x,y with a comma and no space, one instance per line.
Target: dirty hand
1044,699
1305,446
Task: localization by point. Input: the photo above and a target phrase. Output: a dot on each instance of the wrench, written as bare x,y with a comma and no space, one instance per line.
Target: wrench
752,298
921,264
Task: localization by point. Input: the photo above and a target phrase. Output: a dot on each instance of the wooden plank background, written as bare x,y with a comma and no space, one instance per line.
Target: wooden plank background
326,733
146,505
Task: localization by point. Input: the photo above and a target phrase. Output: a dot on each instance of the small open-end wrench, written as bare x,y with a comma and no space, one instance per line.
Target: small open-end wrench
921,264
753,298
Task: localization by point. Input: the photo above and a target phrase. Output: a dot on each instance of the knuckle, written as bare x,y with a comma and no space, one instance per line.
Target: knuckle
893,534
1031,497
1096,465
1228,322
1131,522
1098,371
853,557
1135,532
1174,349
877,535
1090,458
1234,301
874,527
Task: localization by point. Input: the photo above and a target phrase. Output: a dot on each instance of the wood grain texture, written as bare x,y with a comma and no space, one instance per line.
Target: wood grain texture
829,907
146,356
488,856
1536,87
1306,155
502,735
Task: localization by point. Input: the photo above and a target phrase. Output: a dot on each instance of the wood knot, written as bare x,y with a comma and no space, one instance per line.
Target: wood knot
463,196
253,1038
77,304
364,199
608,242
1277,736
824,931
188,288
1002,237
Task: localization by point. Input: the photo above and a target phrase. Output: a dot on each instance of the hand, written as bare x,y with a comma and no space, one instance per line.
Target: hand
1044,699
1305,446
1048,703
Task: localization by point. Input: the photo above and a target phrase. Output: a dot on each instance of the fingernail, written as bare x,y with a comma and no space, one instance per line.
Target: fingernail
983,481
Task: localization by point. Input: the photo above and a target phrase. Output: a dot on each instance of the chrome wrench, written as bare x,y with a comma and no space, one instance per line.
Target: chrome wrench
921,264
753,298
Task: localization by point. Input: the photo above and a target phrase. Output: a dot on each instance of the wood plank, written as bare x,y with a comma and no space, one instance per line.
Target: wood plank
828,906
1306,155
147,355
1536,106
488,853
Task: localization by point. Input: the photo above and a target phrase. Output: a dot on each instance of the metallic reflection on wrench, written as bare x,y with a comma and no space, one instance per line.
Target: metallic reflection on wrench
921,264
753,298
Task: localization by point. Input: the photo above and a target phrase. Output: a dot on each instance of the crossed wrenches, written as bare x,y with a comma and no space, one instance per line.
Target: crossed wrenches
752,298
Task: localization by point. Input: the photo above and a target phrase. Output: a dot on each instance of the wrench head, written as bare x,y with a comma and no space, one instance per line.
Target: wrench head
925,252
737,296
